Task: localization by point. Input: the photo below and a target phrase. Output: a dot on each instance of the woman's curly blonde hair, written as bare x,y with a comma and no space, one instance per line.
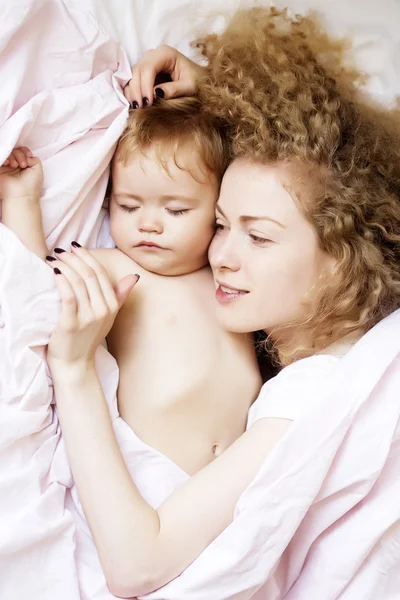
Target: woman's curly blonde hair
280,86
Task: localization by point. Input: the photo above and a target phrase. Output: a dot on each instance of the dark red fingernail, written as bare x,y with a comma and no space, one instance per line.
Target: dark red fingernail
135,105
76,245
57,271
50,258
159,93
59,250
145,101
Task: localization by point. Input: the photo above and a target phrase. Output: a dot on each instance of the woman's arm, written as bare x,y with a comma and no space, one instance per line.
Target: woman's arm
21,179
140,548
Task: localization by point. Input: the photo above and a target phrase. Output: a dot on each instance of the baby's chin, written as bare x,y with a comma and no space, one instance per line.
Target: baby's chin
165,262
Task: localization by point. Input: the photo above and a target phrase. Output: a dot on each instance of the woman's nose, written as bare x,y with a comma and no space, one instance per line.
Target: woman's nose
223,253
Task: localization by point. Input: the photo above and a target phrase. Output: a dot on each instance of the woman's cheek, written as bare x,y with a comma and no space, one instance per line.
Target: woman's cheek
213,249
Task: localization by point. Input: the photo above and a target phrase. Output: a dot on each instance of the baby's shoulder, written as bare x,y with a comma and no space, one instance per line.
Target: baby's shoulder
116,263
161,288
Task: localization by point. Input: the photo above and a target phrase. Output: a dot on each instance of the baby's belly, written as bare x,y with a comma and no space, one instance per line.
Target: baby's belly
189,447
191,428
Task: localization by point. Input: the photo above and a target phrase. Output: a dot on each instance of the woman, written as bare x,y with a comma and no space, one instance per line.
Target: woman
306,249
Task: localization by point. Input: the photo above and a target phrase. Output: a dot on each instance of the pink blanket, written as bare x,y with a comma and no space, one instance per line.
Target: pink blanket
61,80
321,523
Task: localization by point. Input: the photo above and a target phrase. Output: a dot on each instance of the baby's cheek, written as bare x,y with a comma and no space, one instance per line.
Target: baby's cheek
118,230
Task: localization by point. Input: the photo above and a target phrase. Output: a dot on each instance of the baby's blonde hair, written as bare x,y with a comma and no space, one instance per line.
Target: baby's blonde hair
170,127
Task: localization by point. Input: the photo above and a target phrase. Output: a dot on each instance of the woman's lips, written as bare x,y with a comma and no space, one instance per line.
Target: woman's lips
227,294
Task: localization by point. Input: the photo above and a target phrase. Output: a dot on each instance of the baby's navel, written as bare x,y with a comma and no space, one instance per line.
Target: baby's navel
216,450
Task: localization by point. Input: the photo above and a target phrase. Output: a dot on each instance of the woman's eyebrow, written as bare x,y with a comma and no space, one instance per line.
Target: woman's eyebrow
246,218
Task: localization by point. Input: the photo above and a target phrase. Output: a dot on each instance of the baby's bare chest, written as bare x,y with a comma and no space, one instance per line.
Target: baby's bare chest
185,386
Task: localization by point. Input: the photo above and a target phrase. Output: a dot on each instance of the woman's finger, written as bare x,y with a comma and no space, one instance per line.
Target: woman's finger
102,276
141,86
124,287
147,77
154,62
69,308
174,89
90,277
85,310
134,90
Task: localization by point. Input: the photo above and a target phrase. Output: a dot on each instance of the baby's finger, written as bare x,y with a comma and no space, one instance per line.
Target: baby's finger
32,161
69,307
20,157
12,161
26,151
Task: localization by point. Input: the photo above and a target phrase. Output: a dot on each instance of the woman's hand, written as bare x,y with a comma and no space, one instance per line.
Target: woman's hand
21,176
89,305
185,74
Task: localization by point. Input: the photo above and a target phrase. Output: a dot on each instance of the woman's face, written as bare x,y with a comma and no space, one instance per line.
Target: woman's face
265,255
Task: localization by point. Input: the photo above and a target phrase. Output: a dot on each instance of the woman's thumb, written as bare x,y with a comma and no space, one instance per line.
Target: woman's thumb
124,287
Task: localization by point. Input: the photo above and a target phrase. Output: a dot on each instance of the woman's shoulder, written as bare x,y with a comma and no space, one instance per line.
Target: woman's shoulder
294,390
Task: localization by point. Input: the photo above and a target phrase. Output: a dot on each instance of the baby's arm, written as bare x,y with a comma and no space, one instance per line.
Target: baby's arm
21,179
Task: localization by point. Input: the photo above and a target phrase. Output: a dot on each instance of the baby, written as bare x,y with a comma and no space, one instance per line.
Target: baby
185,384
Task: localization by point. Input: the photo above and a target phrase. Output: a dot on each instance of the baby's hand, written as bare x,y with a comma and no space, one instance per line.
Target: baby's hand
21,176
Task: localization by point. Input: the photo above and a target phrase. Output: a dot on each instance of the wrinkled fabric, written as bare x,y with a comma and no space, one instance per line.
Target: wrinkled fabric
322,517
322,513
320,520
61,96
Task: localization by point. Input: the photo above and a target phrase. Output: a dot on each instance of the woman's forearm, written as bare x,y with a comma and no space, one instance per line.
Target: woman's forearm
142,549
123,525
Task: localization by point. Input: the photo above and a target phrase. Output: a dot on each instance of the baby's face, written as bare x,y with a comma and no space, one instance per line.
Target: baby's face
163,220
